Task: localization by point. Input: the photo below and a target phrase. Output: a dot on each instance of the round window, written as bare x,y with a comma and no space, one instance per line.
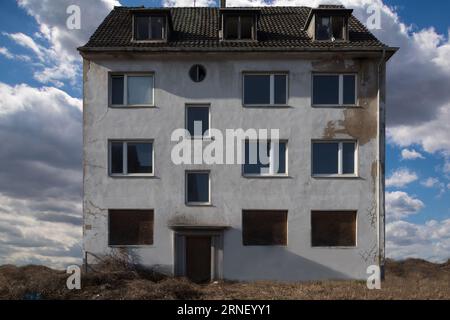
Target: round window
197,73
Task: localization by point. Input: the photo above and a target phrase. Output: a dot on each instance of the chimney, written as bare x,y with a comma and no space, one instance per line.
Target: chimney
223,3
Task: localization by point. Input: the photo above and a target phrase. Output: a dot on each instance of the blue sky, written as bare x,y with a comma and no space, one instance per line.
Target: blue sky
40,70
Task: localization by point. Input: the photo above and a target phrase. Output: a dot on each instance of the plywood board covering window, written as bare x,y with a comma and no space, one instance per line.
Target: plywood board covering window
131,227
333,228
264,228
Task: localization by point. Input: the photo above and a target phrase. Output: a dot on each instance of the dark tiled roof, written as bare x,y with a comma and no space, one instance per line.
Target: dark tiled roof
279,28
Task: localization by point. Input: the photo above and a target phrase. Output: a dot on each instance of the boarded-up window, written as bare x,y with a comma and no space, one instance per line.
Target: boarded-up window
333,229
264,228
130,227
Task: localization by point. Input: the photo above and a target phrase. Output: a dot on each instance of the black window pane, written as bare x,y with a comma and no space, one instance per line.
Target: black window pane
246,27
257,89
197,114
198,187
156,25
140,157
349,89
323,28
326,89
141,28
116,157
280,89
117,83
348,161
281,158
325,158
256,159
338,28
231,28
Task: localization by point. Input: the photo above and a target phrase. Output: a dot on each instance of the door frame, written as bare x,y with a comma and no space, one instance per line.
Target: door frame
179,266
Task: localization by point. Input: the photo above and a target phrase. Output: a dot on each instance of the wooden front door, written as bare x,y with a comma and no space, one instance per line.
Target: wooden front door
198,258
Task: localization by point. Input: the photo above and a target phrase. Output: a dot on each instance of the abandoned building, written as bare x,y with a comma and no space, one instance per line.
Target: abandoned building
316,74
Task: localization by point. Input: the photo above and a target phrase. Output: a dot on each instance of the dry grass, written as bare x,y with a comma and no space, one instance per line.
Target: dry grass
410,279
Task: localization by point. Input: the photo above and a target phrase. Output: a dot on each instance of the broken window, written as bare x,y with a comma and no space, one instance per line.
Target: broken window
238,27
132,90
264,228
131,158
265,158
334,158
149,28
333,228
197,115
265,89
330,28
197,187
130,227
334,89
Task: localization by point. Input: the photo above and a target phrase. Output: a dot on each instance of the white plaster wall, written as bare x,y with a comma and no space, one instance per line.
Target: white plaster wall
230,192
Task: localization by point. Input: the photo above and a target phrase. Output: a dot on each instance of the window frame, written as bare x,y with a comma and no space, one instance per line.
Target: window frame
239,29
197,203
271,174
125,76
341,90
345,29
131,245
125,173
340,160
149,17
272,75
279,211
334,247
198,105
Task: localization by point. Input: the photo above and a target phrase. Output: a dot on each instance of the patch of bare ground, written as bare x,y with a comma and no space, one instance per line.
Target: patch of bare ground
410,279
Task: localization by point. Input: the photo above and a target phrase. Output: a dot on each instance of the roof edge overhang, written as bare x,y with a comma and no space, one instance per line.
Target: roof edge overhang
91,52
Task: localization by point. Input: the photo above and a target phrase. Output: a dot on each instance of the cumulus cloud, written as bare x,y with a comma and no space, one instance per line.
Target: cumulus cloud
411,154
8,55
430,241
54,45
40,184
400,205
401,178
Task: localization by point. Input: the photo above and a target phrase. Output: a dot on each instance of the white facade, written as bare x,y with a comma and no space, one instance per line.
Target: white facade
299,193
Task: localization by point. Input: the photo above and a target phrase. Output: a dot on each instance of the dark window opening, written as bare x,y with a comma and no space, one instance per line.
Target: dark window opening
333,229
326,89
197,185
326,158
117,90
330,28
131,227
131,158
259,159
264,228
197,73
199,115
238,27
149,27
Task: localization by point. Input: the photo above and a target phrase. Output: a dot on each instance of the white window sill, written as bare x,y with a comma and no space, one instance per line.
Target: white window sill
131,106
336,248
140,175
336,176
199,204
138,246
280,106
336,106
266,176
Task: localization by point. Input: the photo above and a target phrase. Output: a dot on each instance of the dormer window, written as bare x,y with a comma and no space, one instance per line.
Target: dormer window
238,28
328,23
151,27
330,28
239,24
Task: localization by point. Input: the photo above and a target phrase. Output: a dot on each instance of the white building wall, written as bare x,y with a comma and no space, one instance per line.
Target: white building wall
231,193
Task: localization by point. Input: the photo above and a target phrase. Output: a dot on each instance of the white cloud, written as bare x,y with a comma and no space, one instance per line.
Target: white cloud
401,178
8,55
54,46
400,205
40,192
411,154
430,182
430,241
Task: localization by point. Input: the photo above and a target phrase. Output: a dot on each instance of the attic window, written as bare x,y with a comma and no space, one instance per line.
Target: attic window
149,27
330,28
238,27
